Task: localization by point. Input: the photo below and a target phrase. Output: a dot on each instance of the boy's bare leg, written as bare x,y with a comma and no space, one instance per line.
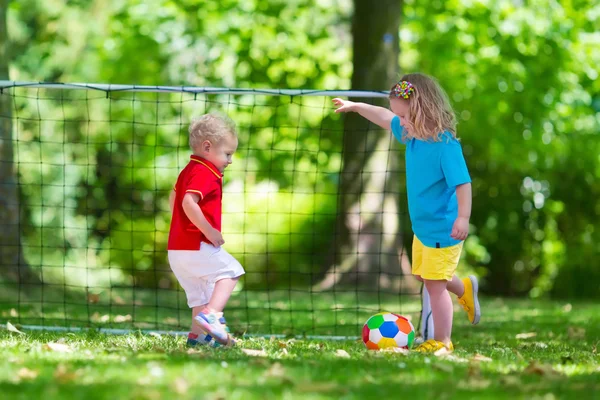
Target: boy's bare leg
210,316
221,294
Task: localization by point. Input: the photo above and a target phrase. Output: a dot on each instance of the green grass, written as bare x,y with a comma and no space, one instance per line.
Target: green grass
290,312
556,357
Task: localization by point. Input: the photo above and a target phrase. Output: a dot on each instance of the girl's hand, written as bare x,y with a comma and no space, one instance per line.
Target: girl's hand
460,230
343,105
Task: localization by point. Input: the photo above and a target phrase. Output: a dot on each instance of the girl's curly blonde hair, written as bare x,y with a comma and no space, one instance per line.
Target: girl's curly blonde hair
211,127
429,108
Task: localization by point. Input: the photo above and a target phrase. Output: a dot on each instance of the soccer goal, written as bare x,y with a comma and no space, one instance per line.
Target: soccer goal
314,208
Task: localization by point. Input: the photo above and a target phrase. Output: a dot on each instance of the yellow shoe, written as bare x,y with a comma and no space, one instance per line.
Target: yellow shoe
469,300
431,346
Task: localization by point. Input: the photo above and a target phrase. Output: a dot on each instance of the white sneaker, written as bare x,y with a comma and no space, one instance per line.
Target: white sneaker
214,325
201,340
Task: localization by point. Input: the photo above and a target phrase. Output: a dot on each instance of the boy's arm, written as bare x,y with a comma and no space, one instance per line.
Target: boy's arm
460,230
172,200
378,115
195,214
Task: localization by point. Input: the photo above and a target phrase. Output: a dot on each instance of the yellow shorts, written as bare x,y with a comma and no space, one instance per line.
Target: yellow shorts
435,263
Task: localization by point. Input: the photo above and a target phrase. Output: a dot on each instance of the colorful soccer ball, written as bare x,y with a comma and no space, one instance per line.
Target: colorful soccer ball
388,330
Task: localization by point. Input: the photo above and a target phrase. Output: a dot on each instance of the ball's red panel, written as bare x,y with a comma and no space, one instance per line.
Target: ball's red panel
365,333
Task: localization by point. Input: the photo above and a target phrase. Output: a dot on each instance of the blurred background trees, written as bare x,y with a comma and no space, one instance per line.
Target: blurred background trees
523,78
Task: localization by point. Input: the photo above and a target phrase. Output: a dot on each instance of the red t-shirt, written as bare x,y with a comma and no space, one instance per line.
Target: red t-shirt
200,176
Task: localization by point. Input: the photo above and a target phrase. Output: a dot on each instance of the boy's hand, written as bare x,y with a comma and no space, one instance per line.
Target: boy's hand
460,230
215,237
343,105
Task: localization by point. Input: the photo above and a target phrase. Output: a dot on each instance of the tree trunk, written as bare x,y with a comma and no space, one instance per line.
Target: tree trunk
369,247
12,263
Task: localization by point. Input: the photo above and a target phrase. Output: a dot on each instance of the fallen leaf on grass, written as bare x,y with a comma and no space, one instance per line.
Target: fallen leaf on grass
58,347
93,298
96,317
398,350
259,361
480,357
526,335
535,368
518,355
123,318
11,328
447,368
342,353
474,384
255,353
276,371
63,375
510,380
442,352
26,374
369,378
474,371
319,387
316,346
181,386
575,332
452,357
285,344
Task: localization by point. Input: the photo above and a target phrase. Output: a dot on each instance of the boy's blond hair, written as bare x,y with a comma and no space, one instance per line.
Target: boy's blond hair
429,106
211,127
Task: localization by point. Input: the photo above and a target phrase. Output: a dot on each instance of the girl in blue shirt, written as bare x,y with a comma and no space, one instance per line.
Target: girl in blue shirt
438,186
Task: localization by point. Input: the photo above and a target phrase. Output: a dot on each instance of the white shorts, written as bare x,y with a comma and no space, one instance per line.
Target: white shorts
198,270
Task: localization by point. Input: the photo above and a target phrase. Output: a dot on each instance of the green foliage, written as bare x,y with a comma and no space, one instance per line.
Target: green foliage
176,43
523,79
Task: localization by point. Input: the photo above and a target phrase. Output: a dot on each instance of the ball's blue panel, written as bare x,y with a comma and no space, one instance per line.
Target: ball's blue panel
388,329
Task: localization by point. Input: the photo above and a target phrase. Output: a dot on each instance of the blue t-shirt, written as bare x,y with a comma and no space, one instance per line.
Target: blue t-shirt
433,170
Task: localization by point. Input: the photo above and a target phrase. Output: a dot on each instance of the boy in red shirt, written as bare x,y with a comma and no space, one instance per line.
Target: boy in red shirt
207,273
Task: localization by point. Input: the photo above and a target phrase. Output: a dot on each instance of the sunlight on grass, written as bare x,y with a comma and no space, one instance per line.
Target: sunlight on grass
521,349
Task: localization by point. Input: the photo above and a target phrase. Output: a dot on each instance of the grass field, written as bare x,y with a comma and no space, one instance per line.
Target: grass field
285,311
521,349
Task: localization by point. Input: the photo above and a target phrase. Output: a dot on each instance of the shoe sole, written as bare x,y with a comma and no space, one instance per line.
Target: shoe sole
475,299
208,328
